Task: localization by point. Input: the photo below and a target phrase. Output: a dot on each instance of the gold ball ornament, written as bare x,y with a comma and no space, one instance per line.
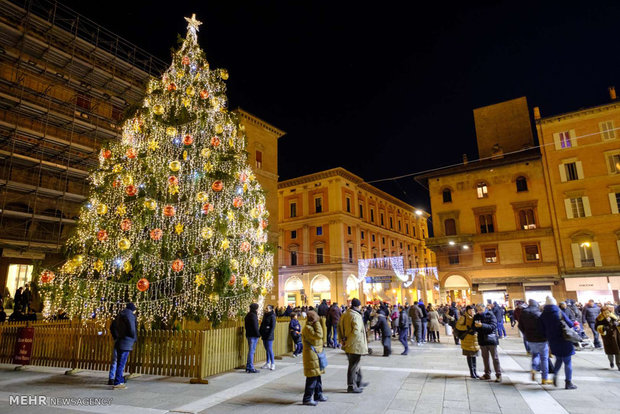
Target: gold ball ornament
219,129
127,267
190,91
244,281
158,109
174,166
224,74
206,233
201,196
254,262
205,153
234,264
79,259
102,209
117,168
171,131
150,204
124,244
127,180
98,265
264,292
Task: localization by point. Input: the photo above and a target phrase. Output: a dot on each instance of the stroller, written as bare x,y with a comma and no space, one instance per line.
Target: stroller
585,343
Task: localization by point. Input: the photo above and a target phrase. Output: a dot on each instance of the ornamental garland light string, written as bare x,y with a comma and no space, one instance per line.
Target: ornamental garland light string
176,220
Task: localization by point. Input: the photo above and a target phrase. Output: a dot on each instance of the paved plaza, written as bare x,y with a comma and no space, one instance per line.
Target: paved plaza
431,379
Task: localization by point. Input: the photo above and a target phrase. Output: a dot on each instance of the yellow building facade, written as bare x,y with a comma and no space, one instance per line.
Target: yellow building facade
581,158
328,222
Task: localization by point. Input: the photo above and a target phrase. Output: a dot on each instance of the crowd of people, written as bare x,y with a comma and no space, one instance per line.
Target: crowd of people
550,331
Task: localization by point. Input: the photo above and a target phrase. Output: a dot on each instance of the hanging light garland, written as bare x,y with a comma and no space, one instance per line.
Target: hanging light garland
176,220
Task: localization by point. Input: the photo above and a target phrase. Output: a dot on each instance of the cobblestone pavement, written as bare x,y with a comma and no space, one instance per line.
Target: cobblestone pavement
431,379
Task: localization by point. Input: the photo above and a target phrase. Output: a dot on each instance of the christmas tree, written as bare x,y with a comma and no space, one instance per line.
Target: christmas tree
176,220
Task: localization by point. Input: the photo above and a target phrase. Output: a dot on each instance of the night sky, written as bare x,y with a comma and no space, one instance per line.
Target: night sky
383,89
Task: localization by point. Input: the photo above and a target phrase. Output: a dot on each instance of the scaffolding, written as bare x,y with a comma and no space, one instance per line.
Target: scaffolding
65,83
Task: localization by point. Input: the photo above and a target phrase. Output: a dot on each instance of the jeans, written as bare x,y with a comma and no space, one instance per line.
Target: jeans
332,335
501,331
112,374
314,387
269,351
490,351
298,348
251,349
568,367
354,372
402,337
121,360
424,330
597,339
540,358
418,331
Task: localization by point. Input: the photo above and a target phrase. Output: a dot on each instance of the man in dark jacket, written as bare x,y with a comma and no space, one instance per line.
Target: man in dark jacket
454,316
499,317
252,334
572,311
322,311
415,313
26,298
589,315
386,332
267,329
403,328
424,320
529,325
333,317
17,300
486,326
124,330
288,311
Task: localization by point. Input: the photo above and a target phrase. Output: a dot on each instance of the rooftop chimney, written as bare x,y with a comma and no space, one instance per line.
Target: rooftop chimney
536,113
612,93
465,161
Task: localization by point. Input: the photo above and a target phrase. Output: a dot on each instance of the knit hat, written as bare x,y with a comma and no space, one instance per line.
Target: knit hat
355,302
131,306
551,301
254,307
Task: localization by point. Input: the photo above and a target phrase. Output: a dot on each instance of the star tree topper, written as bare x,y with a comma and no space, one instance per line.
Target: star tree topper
192,23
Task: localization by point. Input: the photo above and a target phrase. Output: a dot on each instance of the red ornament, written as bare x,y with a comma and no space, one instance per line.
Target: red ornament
156,234
245,246
264,224
177,265
173,180
243,177
172,87
47,276
131,153
126,224
207,208
204,94
116,183
232,280
169,211
215,142
106,154
237,202
143,284
188,140
185,60
131,190
102,235
217,186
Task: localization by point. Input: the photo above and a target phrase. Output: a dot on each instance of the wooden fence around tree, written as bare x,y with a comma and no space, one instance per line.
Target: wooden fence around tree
182,353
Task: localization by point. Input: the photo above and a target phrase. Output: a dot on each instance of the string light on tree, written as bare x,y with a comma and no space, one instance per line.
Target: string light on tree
176,220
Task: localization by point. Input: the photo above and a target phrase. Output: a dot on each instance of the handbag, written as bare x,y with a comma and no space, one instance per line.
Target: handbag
322,358
448,330
569,333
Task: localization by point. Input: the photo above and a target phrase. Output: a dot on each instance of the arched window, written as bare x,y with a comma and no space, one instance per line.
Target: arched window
521,184
449,227
447,195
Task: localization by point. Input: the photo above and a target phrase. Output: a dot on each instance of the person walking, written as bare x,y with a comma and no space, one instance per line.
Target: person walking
486,326
403,328
415,313
333,316
433,323
588,317
294,329
353,339
252,334
17,300
469,339
267,330
322,311
125,333
608,326
498,312
383,326
424,321
312,339
529,326
452,317
550,321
